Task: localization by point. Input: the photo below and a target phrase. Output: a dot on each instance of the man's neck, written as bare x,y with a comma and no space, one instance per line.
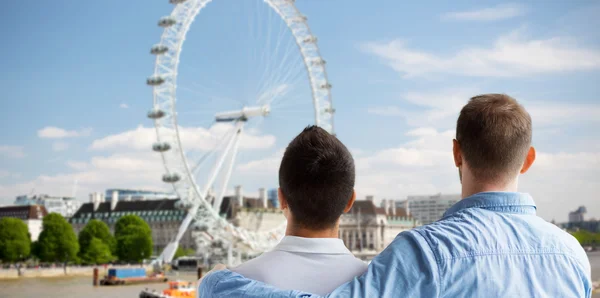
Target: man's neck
469,189
295,230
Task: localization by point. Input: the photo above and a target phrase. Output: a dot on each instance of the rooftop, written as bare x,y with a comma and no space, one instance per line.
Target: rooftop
24,212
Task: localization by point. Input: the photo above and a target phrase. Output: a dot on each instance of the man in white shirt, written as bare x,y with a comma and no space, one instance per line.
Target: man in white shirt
316,185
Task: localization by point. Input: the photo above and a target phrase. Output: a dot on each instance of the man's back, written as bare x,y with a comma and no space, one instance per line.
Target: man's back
529,256
315,265
487,245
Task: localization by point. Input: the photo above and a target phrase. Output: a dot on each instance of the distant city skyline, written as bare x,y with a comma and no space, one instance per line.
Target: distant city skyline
75,94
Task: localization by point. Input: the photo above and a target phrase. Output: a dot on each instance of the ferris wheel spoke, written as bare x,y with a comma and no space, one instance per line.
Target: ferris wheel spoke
228,135
221,193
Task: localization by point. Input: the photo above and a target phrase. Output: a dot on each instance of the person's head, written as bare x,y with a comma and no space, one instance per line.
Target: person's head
316,180
493,140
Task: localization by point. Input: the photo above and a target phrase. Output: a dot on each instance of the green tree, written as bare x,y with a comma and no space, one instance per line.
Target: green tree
95,229
57,242
129,220
97,252
15,243
184,252
134,239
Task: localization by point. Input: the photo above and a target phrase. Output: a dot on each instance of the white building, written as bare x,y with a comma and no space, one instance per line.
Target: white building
162,216
577,216
65,206
366,229
31,215
428,208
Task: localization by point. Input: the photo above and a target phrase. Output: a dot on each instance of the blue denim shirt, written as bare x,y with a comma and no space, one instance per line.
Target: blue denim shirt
488,245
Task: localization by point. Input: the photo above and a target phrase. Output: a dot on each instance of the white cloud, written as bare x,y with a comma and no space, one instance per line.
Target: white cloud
51,132
511,55
559,182
77,165
193,138
132,170
441,109
500,12
124,106
130,162
60,146
269,165
12,151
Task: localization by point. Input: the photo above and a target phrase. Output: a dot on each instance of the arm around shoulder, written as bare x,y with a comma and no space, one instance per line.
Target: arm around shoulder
225,283
406,268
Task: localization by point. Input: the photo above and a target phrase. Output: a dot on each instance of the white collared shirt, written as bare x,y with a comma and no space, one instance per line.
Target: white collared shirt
314,265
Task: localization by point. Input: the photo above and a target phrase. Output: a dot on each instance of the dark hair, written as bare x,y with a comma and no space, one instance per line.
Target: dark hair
316,177
494,134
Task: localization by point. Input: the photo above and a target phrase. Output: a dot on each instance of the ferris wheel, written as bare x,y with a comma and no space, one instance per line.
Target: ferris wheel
274,84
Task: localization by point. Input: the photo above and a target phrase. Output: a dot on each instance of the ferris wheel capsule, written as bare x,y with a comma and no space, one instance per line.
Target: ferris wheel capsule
161,147
167,21
171,178
298,19
200,227
310,39
318,62
326,86
155,80
159,49
176,1
329,110
156,114
183,205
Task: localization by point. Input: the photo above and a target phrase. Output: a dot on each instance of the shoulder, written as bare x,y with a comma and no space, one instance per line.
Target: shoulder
570,245
254,268
356,264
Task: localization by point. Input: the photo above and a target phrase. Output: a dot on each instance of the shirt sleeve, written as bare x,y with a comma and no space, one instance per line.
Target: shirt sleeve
225,283
406,268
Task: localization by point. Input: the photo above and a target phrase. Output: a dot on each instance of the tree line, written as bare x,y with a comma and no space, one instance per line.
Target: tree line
587,238
131,242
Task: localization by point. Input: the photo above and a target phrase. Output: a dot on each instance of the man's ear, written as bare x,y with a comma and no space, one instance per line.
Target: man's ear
457,153
528,160
282,201
351,202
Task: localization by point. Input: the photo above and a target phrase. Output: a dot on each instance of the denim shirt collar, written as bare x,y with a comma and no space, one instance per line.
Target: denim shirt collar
514,202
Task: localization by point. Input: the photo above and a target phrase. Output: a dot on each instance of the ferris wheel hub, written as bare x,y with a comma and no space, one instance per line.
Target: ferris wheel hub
244,114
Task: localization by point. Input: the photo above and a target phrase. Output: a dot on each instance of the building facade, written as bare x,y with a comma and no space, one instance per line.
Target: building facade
428,208
163,217
366,229
577,215
65,206
31,215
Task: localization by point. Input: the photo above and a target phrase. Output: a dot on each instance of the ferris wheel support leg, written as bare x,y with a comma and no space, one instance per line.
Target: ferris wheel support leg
219,198
217,168
169,252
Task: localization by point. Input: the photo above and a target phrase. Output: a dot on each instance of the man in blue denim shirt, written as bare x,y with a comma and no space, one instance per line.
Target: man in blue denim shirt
490,244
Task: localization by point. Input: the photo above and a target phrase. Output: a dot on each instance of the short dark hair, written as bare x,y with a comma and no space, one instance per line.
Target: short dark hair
316,177
494,134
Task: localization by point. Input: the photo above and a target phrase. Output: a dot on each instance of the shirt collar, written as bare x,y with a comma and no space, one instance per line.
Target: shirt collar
312,245
514,202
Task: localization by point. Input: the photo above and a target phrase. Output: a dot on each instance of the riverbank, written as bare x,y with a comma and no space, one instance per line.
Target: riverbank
70,271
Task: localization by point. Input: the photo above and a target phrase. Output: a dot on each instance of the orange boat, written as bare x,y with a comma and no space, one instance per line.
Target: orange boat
177,289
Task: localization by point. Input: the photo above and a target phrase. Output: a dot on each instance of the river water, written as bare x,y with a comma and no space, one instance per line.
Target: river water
81,287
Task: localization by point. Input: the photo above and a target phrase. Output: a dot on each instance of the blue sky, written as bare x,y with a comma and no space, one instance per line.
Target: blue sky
75,98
